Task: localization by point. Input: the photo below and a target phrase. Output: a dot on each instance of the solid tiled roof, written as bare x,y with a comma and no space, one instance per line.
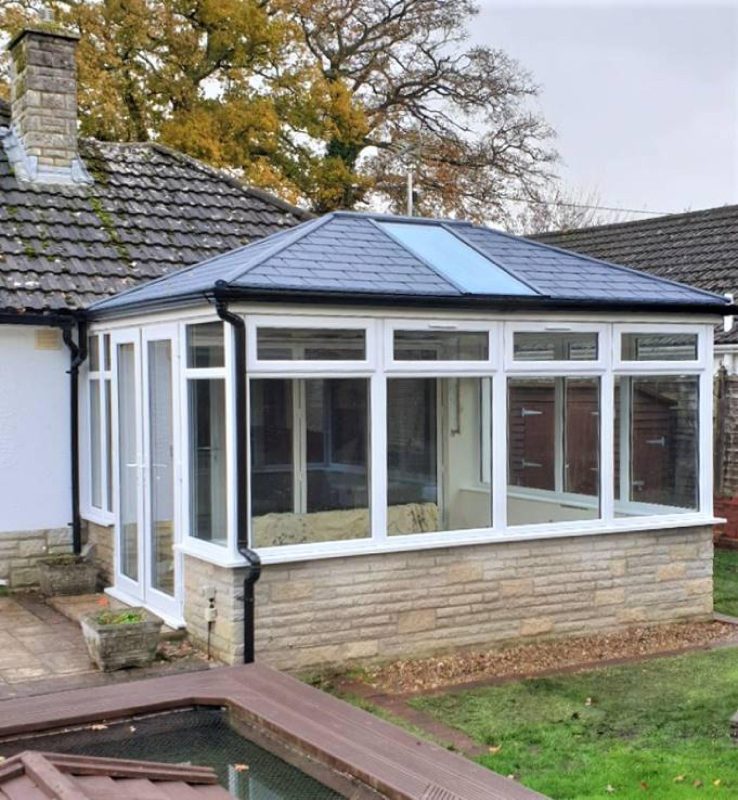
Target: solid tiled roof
149,212
699,247
43,776
354,254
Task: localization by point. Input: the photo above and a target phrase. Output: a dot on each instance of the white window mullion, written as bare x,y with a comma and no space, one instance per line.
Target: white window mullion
499,452
378,456
705,464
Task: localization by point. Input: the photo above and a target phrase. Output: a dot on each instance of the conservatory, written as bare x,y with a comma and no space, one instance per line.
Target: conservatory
431,433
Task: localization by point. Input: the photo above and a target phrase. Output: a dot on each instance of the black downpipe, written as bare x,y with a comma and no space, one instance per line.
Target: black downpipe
242,509
78,353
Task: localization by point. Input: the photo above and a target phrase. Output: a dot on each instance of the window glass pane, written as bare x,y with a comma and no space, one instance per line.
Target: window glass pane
554,346
553,450
441,345
161,444
205,345
436,428
93,347
95,467
659,347
108,447
455,260
207,459
309,460
128,461
106,351
656,445
310,344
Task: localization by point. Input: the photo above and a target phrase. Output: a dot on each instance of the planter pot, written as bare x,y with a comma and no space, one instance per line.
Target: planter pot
67,575
119,645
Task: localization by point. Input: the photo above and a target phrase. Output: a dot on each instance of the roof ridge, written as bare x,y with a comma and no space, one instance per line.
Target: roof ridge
582,257
634,222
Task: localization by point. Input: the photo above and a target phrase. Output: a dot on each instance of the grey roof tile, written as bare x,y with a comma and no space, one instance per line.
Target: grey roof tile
349,253
149,212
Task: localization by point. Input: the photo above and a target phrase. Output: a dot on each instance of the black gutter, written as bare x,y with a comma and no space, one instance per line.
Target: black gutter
78,353
253,561
494,303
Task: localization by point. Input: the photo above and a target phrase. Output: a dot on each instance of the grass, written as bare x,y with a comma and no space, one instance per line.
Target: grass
726,581
659,729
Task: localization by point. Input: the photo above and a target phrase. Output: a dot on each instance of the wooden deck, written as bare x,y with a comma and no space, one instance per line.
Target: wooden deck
330,731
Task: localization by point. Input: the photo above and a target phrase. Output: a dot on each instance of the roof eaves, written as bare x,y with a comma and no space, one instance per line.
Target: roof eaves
621,267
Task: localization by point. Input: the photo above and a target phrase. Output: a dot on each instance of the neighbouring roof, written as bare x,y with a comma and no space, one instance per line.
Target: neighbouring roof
44,776
374,256
150,211
698,247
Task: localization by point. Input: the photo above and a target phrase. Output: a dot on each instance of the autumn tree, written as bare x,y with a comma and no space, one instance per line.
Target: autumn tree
558,208
328,102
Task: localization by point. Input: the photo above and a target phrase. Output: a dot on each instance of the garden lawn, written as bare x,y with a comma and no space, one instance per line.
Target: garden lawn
726,581
657,729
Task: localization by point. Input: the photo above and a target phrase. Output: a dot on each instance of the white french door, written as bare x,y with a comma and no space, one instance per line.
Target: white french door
147,568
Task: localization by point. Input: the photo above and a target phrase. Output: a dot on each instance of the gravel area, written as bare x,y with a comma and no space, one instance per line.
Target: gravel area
427,674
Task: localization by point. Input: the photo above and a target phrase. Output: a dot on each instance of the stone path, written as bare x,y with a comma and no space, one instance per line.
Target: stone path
43,651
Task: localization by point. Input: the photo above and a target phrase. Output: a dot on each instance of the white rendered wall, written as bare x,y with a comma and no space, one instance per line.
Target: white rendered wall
35,477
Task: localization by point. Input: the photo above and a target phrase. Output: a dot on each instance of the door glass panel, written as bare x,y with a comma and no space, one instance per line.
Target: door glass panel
127,461
161,441
208,497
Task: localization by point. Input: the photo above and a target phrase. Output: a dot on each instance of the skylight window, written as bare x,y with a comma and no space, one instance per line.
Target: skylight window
455,260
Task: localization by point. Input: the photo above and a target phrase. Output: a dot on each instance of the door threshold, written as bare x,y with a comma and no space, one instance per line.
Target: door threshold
171,622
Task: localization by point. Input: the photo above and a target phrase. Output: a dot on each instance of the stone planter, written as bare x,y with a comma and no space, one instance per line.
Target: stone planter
67,575
116,645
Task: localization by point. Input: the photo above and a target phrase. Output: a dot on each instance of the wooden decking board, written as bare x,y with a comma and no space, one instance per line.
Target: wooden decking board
346,738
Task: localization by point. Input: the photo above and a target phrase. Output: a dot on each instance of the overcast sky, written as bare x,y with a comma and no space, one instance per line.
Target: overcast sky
644,97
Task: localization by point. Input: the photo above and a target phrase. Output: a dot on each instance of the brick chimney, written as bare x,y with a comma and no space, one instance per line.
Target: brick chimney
42,145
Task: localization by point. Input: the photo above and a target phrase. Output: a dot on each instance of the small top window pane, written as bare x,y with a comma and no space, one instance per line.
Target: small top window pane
310,344
659,347
455,260
550,346
94,352
441,346
205,345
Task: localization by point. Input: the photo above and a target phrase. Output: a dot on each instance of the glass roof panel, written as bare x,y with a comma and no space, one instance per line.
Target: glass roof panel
455,260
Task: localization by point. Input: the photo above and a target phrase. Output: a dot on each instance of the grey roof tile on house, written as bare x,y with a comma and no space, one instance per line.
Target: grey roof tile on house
348,254
150,211
699,248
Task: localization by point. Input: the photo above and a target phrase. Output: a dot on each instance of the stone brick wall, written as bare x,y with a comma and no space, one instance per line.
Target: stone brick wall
376,607
726,453
101,537
21,550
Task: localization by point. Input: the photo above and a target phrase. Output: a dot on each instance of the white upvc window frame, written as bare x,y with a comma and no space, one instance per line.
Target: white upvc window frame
704,345
105,514
561,366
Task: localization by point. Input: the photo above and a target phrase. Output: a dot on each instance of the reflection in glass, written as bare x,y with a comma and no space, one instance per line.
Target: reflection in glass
554,346
128,461
95,466
309,460
441,345
161,443
205,346
553,450
310,344
659,347
207,460
437,436
656,445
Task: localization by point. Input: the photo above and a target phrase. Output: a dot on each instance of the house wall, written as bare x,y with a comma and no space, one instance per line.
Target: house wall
101,537
35,477
385,606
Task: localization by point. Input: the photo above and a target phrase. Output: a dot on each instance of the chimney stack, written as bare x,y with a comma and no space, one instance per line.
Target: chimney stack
42,145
